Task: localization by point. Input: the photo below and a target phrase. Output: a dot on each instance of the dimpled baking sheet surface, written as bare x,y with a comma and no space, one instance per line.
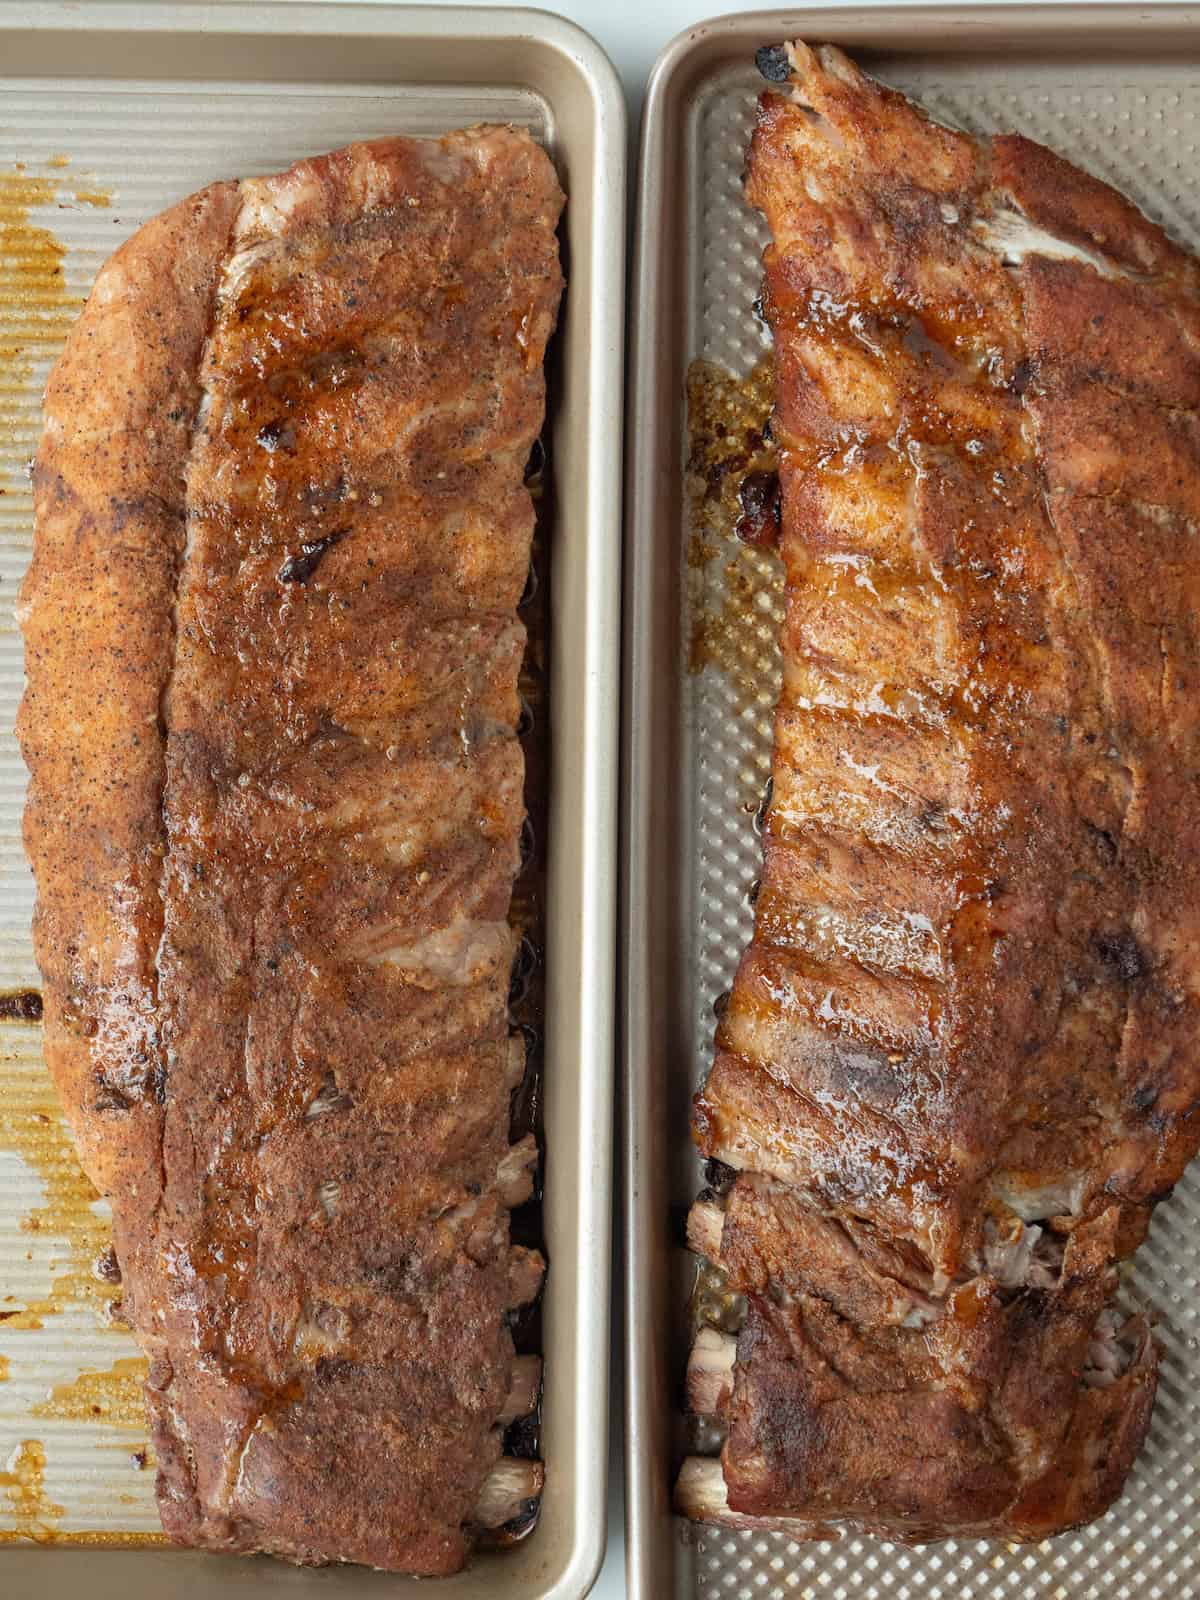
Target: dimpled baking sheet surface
1135,124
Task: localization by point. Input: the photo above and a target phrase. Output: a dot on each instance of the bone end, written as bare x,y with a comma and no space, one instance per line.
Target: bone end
700,1494
514,1176
700,1490
710,1372
705,1225
523,1389
526,1269
508,1490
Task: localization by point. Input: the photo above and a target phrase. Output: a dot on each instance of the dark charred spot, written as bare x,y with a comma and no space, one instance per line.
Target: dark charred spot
1102,842
721,1004
106,1266
22,1005
753,892
762,509
932,817
110,1098
993,889
139,1459
523,1437
518,1527
768,429
524,965
300,568
718,1176
1022,373
1144,1096
277,435
760,816
758,306
1122,953
772,62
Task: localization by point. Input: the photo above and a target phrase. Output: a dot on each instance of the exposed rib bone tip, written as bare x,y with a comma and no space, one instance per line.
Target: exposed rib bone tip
705,1225
700,1489
526,1269
507,1489
710,1372
523,1388
514,1175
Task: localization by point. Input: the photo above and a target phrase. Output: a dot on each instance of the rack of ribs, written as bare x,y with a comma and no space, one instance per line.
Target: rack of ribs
277,796
958,1066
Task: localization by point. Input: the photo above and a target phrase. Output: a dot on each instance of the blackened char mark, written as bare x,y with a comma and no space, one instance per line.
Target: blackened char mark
772,62
299,569
22,1005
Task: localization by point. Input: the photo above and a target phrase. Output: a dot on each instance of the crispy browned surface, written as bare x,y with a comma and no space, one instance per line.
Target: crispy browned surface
962,1038
276,801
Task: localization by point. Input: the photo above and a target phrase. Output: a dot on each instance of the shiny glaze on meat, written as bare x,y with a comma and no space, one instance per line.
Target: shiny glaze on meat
957,1068
275,813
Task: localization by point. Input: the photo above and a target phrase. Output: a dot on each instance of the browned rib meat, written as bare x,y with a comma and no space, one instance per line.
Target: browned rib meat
276,800
958,1066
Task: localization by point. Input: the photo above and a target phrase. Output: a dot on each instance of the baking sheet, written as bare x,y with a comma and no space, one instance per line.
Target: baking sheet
703,676
138,119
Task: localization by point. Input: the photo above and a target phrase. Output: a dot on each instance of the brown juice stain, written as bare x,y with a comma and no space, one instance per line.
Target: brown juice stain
113,1397
32,1127
726,421
100,198
99,1537
23,1321
36,309
5,1368
21,1005
34,1516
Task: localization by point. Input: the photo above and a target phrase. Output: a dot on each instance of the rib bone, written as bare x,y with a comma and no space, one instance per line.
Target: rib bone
522,1389
706,1222
507,1489
710,1372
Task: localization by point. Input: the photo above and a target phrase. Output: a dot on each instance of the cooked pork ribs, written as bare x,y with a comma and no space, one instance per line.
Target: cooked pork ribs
959,1065
272,645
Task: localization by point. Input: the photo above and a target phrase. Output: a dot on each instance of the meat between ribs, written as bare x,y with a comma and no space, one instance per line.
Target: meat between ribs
272,644
958,1066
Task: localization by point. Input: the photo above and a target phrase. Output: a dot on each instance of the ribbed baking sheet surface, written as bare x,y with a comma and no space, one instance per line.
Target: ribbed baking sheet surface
81,167
1136,127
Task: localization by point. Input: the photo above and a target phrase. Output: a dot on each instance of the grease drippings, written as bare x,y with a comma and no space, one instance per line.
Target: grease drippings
114,1397
34,1515
32,1127
36,308
734,582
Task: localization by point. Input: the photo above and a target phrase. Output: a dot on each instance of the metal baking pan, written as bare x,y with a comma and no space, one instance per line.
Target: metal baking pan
108,113
1117,89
